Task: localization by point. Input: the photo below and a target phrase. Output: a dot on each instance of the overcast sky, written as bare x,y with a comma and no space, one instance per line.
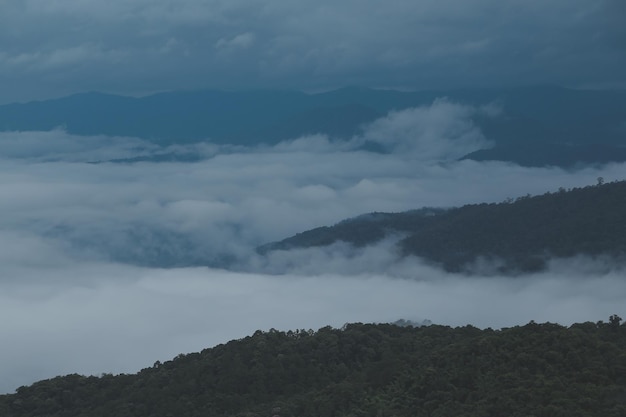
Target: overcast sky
51,48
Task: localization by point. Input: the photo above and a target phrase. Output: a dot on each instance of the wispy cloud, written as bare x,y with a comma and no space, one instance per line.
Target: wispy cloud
442,131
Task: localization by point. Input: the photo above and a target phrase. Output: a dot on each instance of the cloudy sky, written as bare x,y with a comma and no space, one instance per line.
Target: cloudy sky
103,266
52,48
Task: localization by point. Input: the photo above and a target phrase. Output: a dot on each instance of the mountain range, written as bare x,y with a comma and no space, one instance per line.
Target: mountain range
537,125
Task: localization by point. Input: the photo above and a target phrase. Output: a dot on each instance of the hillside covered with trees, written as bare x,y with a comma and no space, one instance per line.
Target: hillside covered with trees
521,234
363,370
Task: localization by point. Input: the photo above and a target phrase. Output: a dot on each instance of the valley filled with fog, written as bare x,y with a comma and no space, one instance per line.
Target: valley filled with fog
111,261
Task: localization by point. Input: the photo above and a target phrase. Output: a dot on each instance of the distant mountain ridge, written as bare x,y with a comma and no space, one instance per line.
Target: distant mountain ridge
519,235
537,154
536,115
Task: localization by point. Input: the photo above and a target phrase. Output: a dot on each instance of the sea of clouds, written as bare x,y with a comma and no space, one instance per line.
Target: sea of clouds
109,261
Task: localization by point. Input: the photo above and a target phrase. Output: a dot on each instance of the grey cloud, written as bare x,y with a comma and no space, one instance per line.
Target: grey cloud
614,13
52,48
57,145
442,131
243,40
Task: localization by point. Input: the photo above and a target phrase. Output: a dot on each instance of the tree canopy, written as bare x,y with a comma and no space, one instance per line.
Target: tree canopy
363,370
522,233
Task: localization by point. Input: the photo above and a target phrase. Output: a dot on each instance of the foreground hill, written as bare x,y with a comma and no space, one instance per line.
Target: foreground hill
531,116
363,370
520,235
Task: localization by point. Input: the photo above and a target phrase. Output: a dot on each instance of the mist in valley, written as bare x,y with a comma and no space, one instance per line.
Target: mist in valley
108,266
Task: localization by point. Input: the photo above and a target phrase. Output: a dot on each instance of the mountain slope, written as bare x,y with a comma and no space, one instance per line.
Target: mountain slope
521,234
540,114
537,154
366,370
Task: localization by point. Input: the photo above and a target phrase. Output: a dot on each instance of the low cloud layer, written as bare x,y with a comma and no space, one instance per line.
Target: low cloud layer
228,204
82,240
104,318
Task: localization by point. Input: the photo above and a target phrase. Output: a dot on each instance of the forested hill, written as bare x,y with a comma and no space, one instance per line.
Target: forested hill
522,234
363,370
